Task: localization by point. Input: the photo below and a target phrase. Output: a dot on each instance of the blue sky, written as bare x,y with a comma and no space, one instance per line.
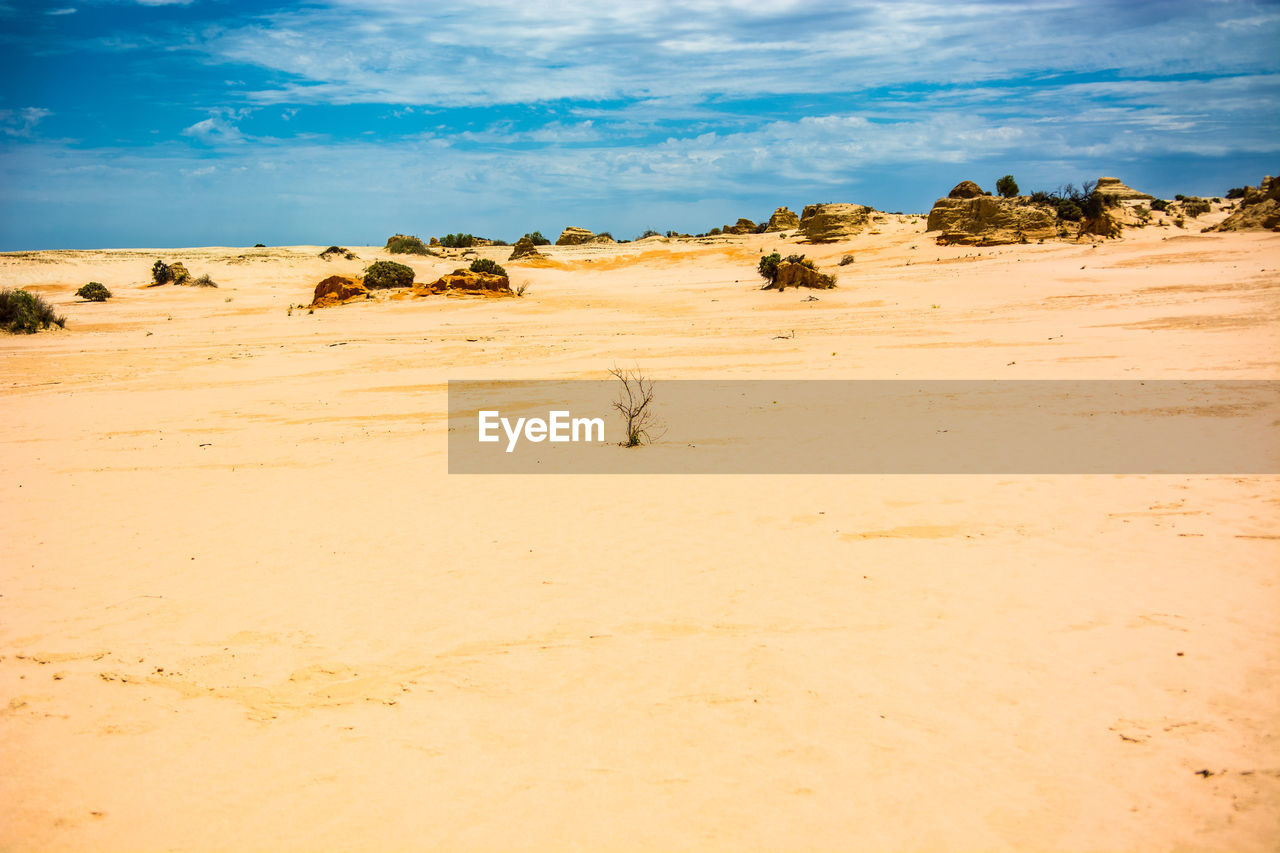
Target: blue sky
163,123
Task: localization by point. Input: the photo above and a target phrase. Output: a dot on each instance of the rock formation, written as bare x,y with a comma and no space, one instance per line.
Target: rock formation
744,226
337,289
572,236
179,272
466,281
1118,190
965,189
783,219
1259,210
985,220
793,274
525,249
825,223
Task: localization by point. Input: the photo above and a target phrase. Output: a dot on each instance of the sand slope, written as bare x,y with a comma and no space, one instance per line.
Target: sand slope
243,606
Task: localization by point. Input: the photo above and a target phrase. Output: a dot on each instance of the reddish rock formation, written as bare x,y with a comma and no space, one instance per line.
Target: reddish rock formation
337,289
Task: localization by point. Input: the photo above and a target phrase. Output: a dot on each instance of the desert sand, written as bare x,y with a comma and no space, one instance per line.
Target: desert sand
243,605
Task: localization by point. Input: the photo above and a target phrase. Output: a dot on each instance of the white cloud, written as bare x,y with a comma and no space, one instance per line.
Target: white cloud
65,11
21,122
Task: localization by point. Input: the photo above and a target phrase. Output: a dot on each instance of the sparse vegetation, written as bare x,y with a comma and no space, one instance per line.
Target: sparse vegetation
713,232
768,267
338,251
1072,204
458,241
94,291
487,265
259,245
536,238
161,273
1236,192
202,281
1007,186
384,274
404,244
1194,206
633,403
1159,204
24,313
648,232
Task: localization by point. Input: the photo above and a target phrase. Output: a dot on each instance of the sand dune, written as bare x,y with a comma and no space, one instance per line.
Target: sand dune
243,605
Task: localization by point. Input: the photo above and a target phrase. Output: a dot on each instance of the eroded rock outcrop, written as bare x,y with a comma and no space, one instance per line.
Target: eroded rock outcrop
1259,210
743,226
965,189
525,249
783,219
985,220
826,223
467,281
337,289
794,274
573,236
1120,191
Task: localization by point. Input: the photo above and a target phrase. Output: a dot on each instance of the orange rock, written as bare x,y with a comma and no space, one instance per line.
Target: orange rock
337,289
466,281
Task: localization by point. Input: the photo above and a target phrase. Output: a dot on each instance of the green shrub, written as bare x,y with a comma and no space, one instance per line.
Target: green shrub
1007,186
536,238
1159,204
1193,206
1179,197
94,291
487,265
403,244
259,245
339,251
713,232
1236,192
457,241
387,274
161,273
768,267
648,232
202,281
23,313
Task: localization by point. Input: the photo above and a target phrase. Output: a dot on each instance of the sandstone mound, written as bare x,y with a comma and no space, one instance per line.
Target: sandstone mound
337,289
525,249
1259,210
179,273
965,189
743,226
1118,190
825,223
1106,224
573,236
783,219
465,281
985,220
793,274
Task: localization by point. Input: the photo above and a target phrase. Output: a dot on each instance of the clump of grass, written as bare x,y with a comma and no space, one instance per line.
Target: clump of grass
202,281
487,265
24,313
338,251
94,291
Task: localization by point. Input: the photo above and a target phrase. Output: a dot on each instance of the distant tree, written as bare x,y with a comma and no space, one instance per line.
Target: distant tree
1236,192
457,241
536,238
1007,186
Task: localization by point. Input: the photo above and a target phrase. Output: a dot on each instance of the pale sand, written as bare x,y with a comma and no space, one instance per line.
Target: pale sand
245,608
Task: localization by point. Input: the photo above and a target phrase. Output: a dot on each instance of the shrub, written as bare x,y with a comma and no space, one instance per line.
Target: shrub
457,241
633,403
202,281
648,232
161,273
24,313
1159,204
259,245
536,238
1007,186
1236,192
94,291
605,234
340,251
403,244
1179,197
713,232
487,265
1193,206
768,267
387,274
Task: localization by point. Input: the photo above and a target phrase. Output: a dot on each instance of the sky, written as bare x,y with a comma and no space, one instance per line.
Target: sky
173,123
